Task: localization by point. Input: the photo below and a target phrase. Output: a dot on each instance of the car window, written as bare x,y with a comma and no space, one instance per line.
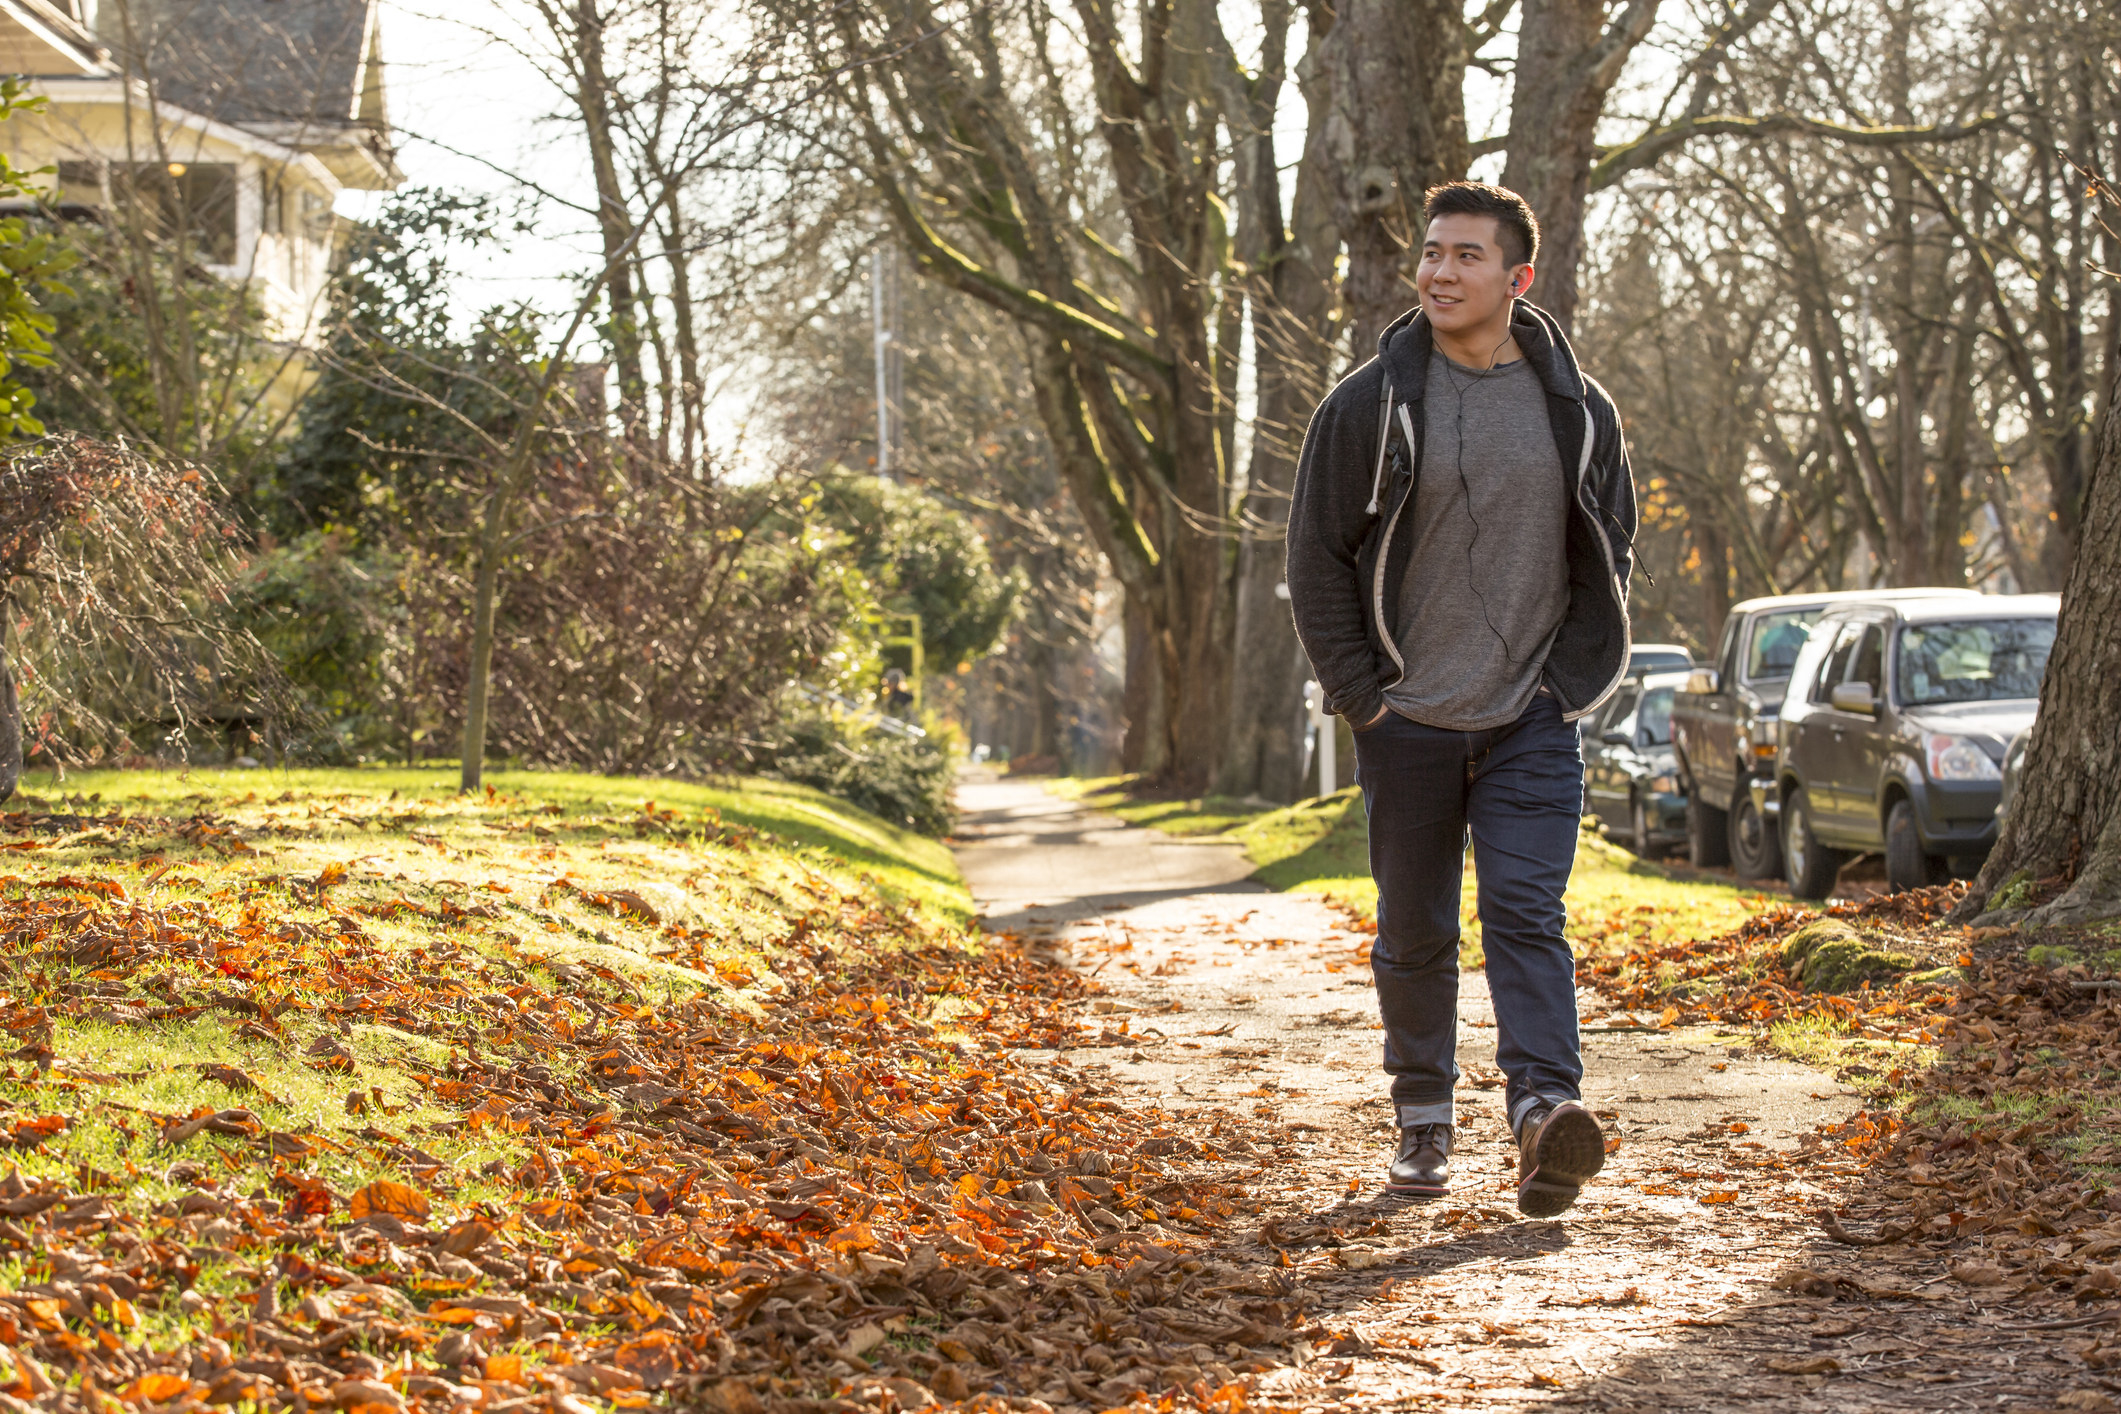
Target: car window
1775,641
1869,663
1727,657
1982,660
1617,711
1657,662
1654,721
1836,666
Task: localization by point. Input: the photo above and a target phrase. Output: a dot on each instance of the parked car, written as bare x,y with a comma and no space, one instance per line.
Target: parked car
1642,658
1630,780
1893,734
1723,724
1657,657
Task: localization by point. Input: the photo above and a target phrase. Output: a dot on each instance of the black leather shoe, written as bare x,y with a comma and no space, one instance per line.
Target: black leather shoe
1423,1168
1559,1149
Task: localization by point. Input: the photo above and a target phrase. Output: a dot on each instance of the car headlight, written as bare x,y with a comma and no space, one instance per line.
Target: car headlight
1958,758
1667,784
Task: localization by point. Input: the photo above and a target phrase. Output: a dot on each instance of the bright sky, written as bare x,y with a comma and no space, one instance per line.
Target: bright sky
474,112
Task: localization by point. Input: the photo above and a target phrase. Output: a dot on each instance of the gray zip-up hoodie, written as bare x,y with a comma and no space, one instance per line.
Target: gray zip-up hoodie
1361,461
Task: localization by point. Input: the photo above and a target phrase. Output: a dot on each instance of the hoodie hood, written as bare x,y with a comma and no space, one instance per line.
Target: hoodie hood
1404,346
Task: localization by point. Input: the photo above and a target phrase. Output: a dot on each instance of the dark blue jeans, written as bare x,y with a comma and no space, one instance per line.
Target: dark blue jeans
1518,791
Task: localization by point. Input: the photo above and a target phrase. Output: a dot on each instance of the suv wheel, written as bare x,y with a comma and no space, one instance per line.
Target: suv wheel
1755,851
1639,825
1812,865
1907,866
1708,834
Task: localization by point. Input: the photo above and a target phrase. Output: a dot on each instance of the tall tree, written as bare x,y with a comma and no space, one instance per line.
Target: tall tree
1568,59
1288,260
2064,827
1387,92
1118,270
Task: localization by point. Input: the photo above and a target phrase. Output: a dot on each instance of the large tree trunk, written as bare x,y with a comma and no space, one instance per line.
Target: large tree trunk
1567,61
1292,341
2066,820
1395,125
1146,747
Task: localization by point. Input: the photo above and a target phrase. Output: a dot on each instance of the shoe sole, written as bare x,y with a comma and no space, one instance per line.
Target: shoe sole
1571,1152
1416,1190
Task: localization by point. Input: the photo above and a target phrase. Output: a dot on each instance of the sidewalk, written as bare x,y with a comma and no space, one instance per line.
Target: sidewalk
1655,1292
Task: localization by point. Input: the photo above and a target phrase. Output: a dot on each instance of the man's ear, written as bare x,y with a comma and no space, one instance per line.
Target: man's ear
1521,281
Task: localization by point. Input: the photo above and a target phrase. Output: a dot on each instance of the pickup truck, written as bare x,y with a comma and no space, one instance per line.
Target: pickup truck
1724,725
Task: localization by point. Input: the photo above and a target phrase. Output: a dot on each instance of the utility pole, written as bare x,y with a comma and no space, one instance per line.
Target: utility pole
883,289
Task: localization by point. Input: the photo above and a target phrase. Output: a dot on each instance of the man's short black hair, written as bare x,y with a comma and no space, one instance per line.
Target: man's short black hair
1518,227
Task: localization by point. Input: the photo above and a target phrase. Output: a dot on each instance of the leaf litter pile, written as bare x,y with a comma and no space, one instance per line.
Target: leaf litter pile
1988,1156
308,1143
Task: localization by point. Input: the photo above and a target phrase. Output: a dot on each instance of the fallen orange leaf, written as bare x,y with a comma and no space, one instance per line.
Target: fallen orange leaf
386,1199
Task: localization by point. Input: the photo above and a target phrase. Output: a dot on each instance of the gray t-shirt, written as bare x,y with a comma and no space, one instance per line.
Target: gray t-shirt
1488,582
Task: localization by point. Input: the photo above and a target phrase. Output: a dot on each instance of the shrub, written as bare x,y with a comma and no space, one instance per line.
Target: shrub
904,780
119,573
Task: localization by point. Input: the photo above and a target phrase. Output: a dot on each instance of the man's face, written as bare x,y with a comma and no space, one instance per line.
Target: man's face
1464,279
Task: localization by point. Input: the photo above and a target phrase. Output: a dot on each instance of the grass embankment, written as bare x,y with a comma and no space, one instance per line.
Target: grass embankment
340,1089
1615,900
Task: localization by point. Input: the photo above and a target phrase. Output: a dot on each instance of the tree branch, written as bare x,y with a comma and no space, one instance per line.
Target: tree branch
1616,162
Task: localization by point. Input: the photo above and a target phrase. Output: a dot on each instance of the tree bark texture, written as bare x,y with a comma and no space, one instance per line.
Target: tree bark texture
2065,822
1128,312
1293,345
1393,72
1567,62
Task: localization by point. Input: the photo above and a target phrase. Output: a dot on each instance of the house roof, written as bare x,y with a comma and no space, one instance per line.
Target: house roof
46,37
268,62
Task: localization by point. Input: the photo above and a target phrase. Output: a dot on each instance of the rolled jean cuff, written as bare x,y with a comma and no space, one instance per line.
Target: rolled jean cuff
1441,1112
1525,1103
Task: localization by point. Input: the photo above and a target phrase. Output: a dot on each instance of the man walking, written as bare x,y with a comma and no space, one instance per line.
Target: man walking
1459,551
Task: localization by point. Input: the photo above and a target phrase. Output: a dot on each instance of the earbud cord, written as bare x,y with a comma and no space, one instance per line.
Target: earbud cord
1465,484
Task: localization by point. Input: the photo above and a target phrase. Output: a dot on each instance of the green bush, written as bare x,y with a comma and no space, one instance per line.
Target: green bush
903,780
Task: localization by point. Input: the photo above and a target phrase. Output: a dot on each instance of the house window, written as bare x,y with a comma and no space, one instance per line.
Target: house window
197,199
316,215
80,184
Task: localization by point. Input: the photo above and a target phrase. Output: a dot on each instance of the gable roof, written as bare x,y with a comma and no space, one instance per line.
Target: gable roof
46,37
316,63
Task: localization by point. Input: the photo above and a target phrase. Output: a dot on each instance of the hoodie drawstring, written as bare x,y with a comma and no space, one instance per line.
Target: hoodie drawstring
1384,440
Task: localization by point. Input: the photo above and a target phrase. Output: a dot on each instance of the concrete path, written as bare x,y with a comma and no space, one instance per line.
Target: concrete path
1655,1292
1281,984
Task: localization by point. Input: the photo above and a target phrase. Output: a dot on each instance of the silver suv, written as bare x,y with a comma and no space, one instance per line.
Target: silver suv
1893,733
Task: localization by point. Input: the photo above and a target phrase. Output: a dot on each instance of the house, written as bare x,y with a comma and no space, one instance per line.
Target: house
229,126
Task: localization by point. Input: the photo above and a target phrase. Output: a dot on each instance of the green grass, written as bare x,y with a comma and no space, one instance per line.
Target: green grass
2092,1147
840,841
1865,1063
1115,796
505,887
1322,846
